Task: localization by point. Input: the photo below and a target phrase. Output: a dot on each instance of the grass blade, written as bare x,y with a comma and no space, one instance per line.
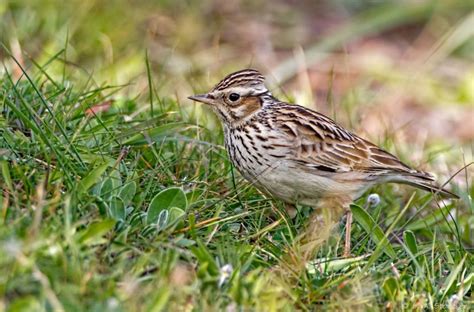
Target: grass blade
373,229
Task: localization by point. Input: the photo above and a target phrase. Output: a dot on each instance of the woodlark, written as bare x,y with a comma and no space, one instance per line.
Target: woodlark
299,155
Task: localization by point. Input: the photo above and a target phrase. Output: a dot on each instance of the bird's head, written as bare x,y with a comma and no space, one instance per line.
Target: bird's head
236,97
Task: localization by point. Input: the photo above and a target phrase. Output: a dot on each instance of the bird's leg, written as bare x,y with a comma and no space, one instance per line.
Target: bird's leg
317,230
347,244
291,210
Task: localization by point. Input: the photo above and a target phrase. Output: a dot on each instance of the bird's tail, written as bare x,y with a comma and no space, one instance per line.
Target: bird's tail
433,188
424,181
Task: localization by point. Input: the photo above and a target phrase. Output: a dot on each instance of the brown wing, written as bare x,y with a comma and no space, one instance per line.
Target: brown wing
318,142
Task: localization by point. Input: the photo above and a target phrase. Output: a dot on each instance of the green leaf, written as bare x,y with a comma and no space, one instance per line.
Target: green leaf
326,265
111,185
372,228
94,232
466,283
391,288
6,175
410,240
166,199
154,134
452,278
117,208
127,192
106,188
206,260
116,178
175,218
185,243
160,299
162,219
92,178
175,214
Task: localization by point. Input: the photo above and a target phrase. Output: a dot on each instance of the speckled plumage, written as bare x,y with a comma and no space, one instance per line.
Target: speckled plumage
297,154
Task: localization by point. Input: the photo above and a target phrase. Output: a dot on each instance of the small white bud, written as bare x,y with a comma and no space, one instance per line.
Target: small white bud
113,304
54,250
373,200
453,303
225,273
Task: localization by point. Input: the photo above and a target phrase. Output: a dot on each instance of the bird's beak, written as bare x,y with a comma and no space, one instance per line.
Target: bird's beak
203,98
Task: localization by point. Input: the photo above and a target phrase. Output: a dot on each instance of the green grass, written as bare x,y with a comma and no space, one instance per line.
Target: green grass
116,193
108,211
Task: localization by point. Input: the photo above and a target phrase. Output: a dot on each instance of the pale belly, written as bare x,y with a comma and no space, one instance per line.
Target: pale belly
296,186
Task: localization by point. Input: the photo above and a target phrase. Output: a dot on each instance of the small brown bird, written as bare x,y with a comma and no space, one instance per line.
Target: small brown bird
299,155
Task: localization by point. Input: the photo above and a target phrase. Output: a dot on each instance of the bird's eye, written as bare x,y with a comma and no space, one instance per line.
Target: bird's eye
234,97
